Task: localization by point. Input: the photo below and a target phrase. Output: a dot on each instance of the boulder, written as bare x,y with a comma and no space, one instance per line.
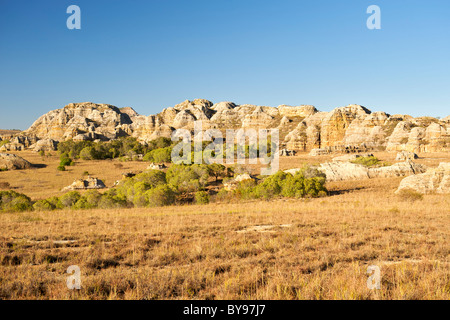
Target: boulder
318,152
406,155
339,171
154,166
85,184
401,169
232,184
12,162
287,153
12,146
351,157
432,181
45,145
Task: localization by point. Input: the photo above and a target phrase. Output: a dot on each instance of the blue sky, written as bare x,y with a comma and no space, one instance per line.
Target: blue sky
154,54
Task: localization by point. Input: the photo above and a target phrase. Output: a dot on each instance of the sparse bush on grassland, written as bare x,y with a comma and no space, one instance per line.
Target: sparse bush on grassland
410,195
202,197
4,185
307,182
153,188
11,201
187,178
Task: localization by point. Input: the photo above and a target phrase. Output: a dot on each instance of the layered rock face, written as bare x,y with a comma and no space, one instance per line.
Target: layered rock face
342,170
82,121
349,129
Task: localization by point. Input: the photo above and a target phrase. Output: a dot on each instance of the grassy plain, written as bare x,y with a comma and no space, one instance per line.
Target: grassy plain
282,249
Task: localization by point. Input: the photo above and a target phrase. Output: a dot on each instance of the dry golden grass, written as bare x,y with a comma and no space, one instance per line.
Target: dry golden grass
282,249
45,180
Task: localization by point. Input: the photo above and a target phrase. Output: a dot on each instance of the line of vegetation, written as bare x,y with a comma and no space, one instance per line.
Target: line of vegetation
128,147
180,184
158,150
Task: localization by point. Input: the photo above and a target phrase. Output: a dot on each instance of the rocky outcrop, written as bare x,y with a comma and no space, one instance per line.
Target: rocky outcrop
287,153
232,184
83,120
420,135
341,171
12,162
351,157
85,184
401,169
319,152
153,166
45,145
432,181
349,129
406,155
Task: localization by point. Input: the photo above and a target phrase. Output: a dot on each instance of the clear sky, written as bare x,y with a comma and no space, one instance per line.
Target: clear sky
154,54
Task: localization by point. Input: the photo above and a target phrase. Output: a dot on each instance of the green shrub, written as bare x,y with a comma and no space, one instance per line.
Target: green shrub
160,196
11,201
367,161
69,199
217,170
3,142
89,150
61,168
271,186
133,189
44,205
202,197
246,189
307,182
89,200
66,162
159,155
187,178
87,153
109,201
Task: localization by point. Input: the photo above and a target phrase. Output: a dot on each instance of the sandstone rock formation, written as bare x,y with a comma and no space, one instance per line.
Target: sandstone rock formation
85,120
318,152
351,157
85,184
406,155
432,181
45,145
287,153
349,129
12,162
401,169
341,171
232,184
153,166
